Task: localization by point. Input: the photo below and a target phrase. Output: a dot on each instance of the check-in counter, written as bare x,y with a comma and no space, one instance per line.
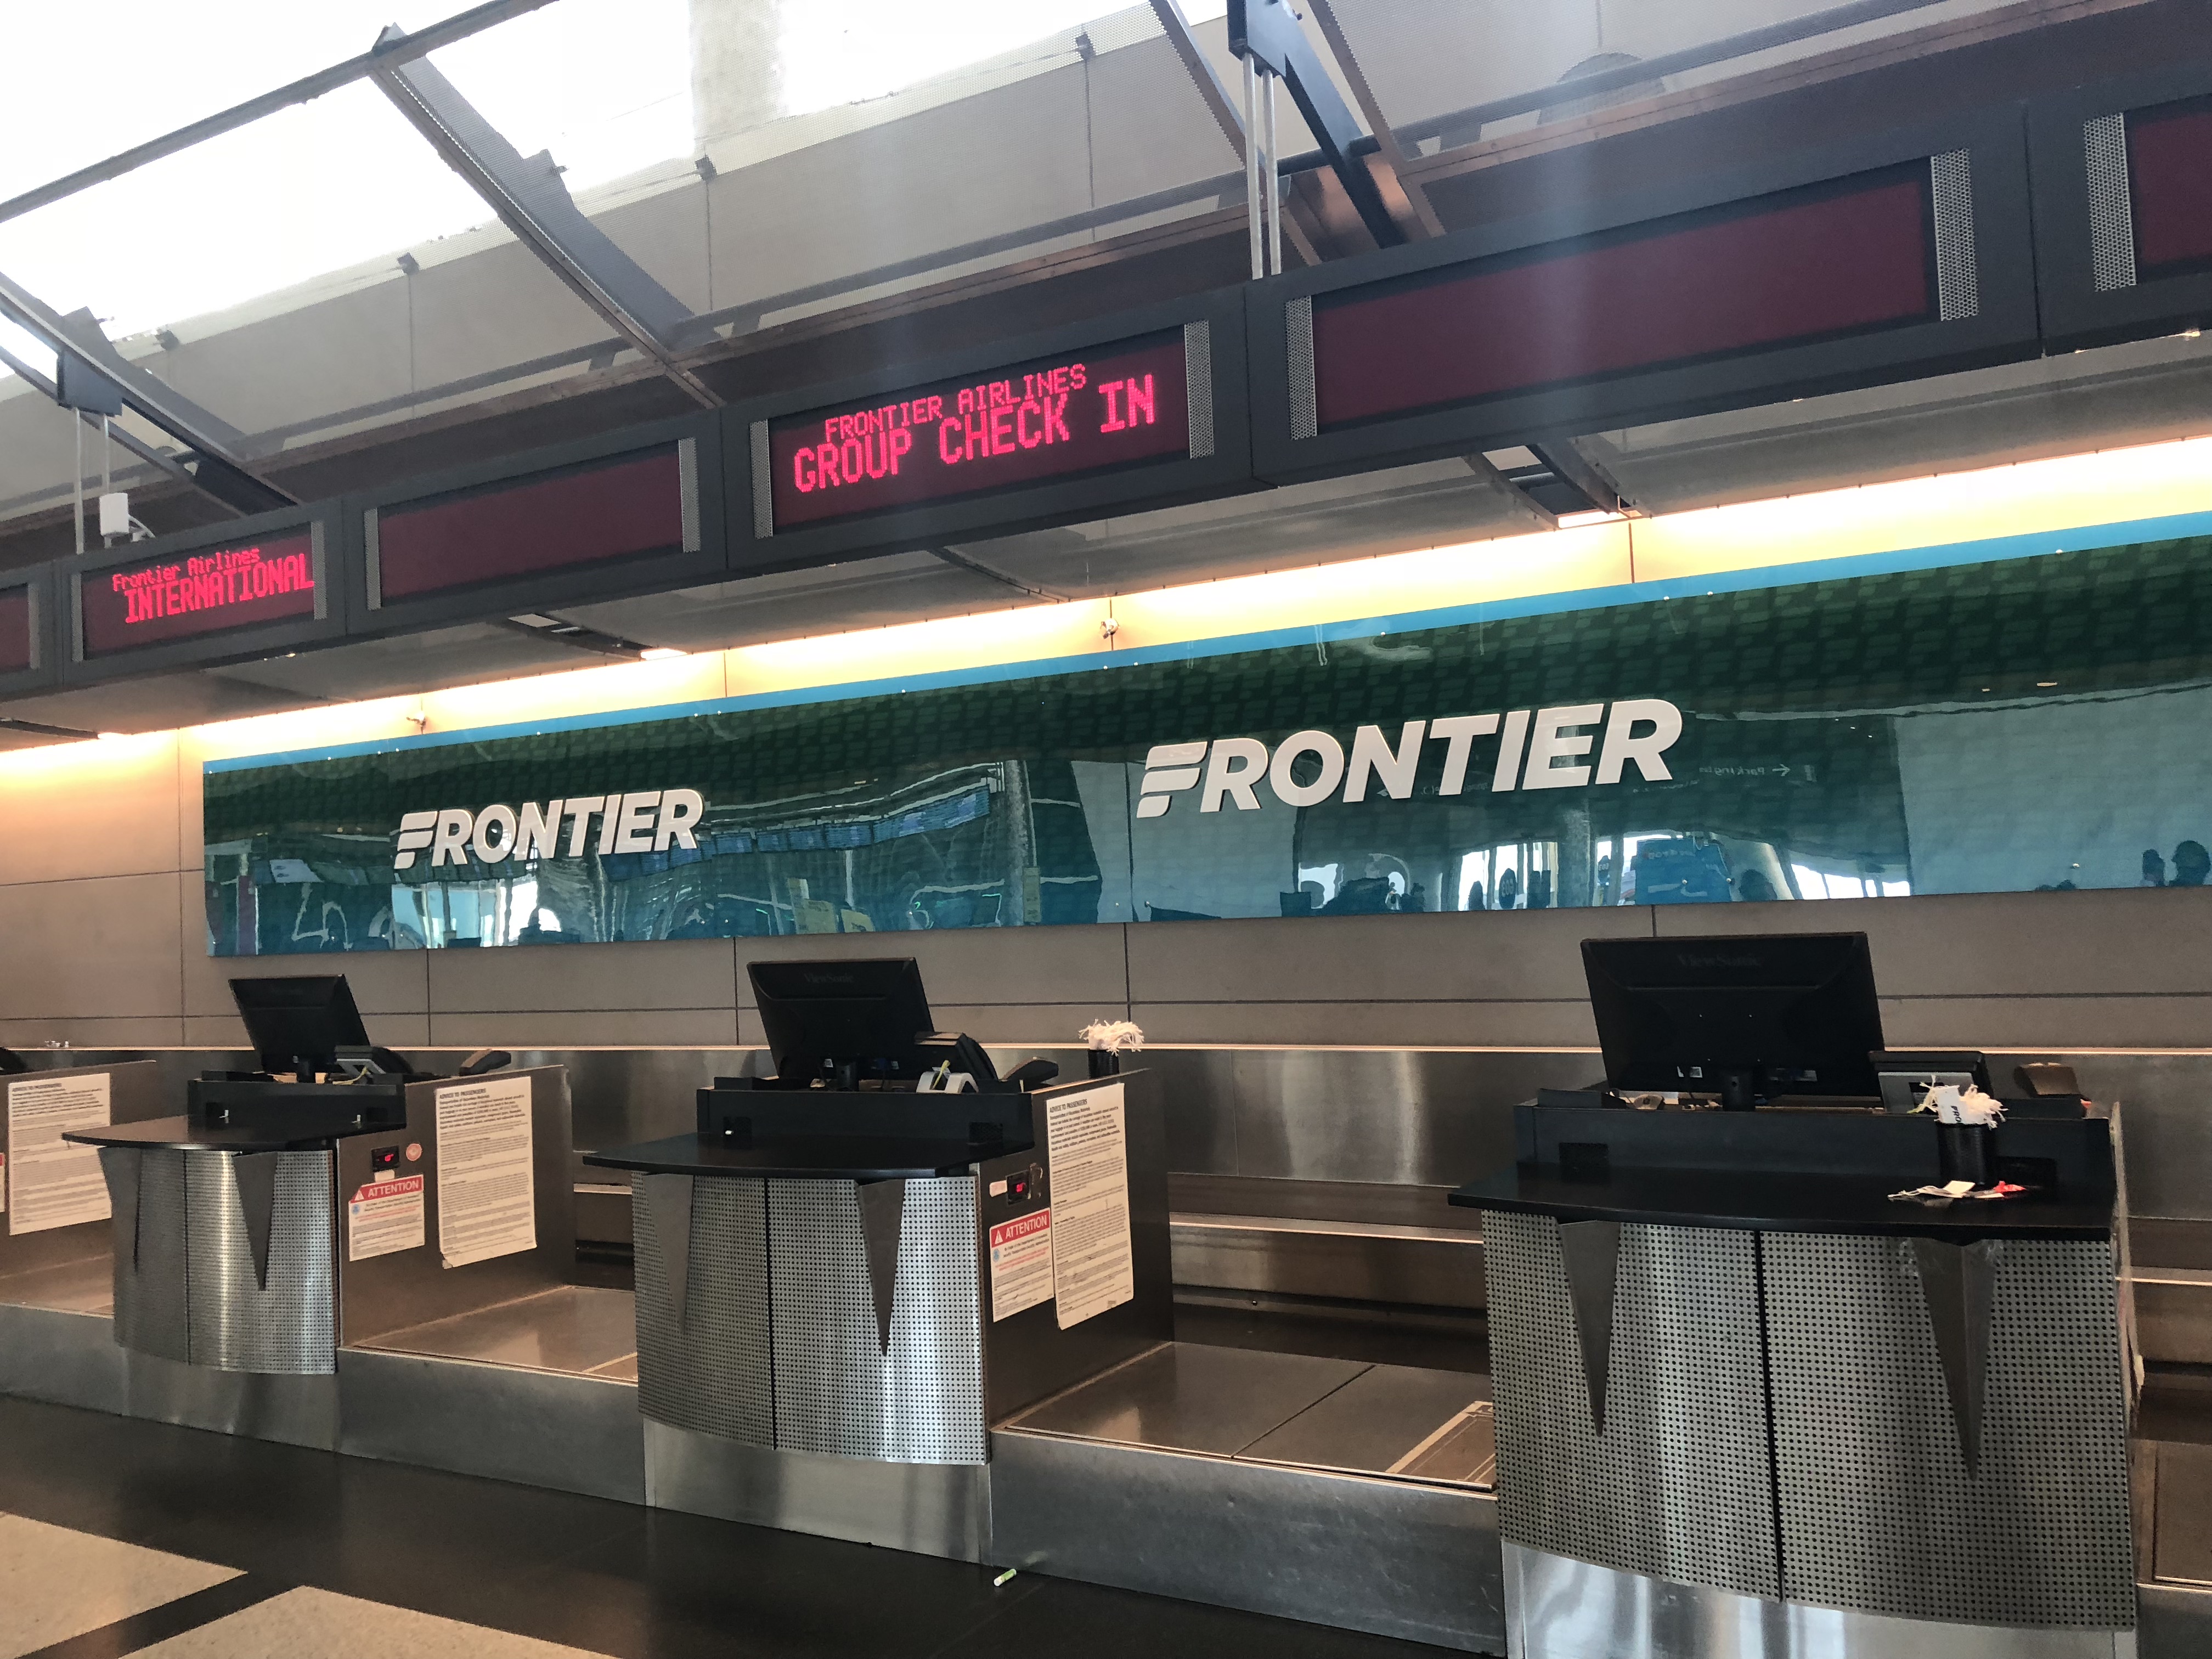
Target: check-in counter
840,1292
274,1223
1748,1403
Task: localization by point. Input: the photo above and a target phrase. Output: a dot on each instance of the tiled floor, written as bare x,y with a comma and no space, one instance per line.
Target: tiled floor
261,1545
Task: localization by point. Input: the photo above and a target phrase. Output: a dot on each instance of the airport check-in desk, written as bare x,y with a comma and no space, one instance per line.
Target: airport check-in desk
272,1223
1749,1406
840,1293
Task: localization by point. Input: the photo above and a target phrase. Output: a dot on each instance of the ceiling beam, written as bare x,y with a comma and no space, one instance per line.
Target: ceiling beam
406,48
530,200
1267,33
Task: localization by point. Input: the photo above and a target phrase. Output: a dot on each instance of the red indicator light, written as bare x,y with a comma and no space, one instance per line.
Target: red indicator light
198,594
1039,420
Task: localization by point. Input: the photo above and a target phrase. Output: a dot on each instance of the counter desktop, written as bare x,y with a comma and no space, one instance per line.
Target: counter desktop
333,1195
1754,1397
846,1273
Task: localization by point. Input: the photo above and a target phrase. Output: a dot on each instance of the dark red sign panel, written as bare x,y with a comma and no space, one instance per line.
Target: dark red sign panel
1829,263
194,595
2170,175
617,510
1050,419
16,654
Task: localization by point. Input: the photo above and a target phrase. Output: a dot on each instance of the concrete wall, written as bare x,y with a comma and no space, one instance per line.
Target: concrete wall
102,943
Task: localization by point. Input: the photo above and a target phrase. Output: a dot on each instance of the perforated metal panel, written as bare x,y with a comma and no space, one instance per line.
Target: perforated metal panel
708,1371
835,1389
1198,382
1298,328
764,483
236,1325
1677,1487
687,470
1879,1512
1957,279
146,1193
2112,209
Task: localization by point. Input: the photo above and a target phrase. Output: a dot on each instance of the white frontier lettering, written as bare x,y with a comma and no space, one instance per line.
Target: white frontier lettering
208,582
1537,749
645,820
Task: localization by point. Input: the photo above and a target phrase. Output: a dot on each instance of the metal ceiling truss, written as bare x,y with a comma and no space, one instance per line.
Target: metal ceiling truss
1267,35
530,200
216,459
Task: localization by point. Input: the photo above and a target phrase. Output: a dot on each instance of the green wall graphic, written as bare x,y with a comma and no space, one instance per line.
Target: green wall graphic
2014,724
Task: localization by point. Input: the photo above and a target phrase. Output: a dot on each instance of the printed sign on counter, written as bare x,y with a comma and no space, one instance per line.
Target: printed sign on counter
1021,1264
51,1183
1092,1269
487,1191
385,1217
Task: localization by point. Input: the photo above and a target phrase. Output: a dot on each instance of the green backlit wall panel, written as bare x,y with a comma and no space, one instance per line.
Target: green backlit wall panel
2018,723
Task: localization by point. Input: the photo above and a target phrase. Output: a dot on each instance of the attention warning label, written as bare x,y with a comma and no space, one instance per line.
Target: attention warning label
1021,1264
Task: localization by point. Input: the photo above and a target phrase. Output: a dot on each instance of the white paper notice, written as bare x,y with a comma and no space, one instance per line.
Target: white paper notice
385,1217
51,1183
1092,1267
487,1197
1021,1264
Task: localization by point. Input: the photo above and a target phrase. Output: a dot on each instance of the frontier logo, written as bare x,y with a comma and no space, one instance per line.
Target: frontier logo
1536,749
651,821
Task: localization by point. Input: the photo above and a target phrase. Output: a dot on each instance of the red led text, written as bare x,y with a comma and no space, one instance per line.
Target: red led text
211,581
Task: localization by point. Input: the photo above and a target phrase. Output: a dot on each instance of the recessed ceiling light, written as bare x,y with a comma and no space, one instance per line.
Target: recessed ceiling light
1578,521
660,654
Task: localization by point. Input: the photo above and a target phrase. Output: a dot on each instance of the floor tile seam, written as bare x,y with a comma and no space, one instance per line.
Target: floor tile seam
196,1610
1025,1585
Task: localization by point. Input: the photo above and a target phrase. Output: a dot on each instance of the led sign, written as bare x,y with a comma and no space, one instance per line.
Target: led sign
2170,177
196,595
637,505
1815,264
1085,412
17,655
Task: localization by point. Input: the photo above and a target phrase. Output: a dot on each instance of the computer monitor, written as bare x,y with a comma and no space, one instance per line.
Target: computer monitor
843,1022
299,1025
1748,1017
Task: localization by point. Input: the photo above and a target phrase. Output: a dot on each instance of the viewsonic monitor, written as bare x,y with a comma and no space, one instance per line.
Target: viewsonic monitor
299,1025
844,1022
1751,1017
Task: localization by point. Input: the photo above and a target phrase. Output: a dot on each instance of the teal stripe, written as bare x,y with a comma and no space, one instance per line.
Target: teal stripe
1993,551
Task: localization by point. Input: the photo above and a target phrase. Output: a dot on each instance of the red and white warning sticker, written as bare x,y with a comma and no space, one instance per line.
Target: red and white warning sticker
384,1216
1021,1263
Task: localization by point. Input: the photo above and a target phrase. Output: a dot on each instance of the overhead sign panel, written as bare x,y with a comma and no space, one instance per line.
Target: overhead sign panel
1825,262
1883,259
195,595
1055,417
256,587
19,646
624,508
2123,206
1114,415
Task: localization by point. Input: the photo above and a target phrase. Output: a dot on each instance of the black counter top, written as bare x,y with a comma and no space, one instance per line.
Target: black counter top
182,1133
1780,1202
832,1157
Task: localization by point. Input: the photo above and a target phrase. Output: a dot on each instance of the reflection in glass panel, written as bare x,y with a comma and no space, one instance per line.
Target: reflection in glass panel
1862,737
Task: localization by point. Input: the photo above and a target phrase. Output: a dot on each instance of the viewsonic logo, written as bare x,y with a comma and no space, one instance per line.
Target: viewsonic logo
1537,749
648,822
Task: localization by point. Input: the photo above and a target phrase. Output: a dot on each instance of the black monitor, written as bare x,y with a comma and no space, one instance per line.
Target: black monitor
844,1022
1750,1017
299,1025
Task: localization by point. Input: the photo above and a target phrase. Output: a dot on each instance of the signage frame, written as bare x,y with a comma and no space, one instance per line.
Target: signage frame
2075,313
2004,328
372,617
1016,507
249,643
38,581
